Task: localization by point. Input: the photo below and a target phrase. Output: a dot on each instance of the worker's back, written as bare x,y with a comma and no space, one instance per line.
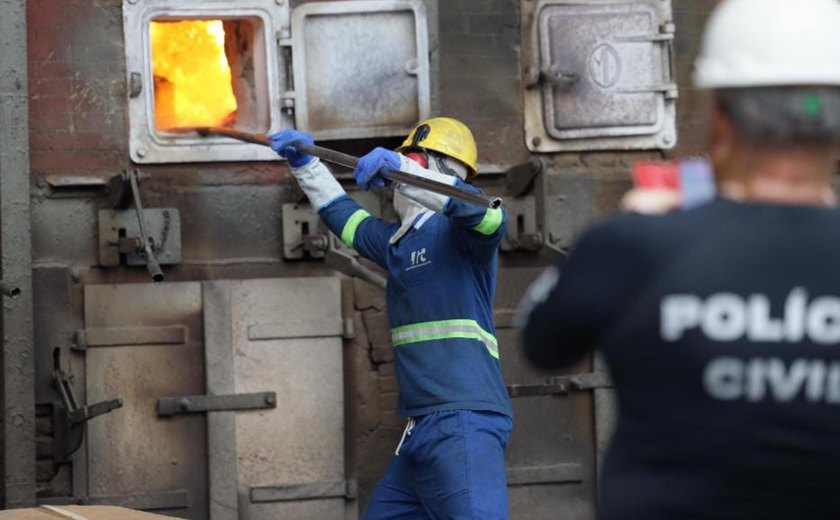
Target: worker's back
725,348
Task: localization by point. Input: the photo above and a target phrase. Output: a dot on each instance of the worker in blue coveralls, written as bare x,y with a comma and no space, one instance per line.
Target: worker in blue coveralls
441,260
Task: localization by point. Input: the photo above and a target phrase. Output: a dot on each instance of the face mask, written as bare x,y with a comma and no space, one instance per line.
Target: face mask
408,210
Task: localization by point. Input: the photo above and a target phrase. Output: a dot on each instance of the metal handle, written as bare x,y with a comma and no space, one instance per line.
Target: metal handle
9,290
349,161
151,262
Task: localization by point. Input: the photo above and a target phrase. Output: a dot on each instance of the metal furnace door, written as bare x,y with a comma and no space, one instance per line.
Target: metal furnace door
144,342
600,76
288,462
551,460
370,78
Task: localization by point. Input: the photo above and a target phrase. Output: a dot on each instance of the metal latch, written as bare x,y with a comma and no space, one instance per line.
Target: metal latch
76,413
562,385
72,416
301,233
523,233
137,236
169,406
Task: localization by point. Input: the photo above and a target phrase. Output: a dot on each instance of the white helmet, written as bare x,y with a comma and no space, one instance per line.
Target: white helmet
762,43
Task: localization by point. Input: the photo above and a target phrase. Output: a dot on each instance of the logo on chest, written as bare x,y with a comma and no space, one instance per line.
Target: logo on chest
418,259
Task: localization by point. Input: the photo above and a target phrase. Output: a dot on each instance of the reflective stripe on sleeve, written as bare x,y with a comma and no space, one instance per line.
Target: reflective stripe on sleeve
491,221
446,329
348,233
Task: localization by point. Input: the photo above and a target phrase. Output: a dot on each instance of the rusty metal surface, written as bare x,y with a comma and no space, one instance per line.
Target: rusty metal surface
307,375
370,77
17,467
130,451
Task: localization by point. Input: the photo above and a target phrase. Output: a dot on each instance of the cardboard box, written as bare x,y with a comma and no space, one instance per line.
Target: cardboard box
78,513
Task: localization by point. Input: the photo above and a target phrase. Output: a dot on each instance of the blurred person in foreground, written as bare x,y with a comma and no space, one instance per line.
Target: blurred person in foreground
721,324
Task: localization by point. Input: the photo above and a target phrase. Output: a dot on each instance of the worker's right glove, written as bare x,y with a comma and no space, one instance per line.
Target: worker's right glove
282,142
371,168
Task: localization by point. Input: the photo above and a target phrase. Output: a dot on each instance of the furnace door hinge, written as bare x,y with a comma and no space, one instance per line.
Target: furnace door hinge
137,236
562,385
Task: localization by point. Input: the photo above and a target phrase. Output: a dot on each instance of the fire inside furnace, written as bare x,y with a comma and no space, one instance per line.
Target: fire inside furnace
192,75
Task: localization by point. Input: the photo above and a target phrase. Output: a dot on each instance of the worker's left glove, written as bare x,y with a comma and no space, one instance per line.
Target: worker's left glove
282,142
371,169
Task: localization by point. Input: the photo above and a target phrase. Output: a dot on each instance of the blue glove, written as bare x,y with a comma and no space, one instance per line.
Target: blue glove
370,170
282,141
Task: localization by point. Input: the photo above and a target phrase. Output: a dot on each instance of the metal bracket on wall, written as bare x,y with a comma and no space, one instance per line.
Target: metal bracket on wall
301,233
168,406
347,489
562,385
519,179
565,473
523,232
130,336
137,236
345,263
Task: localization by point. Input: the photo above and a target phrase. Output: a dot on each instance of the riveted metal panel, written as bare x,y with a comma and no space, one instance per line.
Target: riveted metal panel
301,442
131,452
370,77
600,76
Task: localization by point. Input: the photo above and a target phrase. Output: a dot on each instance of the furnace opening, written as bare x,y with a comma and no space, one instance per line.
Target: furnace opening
205,75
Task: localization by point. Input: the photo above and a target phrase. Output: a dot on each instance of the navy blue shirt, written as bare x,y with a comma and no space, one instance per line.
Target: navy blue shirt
441,285
721,329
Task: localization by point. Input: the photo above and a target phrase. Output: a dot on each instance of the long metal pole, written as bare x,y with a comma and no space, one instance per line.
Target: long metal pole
17,391
349,161
151,262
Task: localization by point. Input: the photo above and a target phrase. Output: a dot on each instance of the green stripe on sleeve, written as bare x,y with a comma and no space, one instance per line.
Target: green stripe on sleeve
491,221
348,234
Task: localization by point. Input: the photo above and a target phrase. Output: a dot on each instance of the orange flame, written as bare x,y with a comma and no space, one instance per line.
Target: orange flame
192,75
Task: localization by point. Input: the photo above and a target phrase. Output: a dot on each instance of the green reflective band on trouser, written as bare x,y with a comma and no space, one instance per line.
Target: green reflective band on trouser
348,234
446,329
491,221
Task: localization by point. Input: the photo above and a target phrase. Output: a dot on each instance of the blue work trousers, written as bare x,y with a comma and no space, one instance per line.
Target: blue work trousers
450,465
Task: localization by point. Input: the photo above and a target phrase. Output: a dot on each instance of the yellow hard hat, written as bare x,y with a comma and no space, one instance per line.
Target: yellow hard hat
447,136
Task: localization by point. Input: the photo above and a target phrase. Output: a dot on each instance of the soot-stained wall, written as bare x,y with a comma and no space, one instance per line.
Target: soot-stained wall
231,211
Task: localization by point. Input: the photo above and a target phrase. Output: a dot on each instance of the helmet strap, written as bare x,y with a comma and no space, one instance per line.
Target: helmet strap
420,135
441,165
